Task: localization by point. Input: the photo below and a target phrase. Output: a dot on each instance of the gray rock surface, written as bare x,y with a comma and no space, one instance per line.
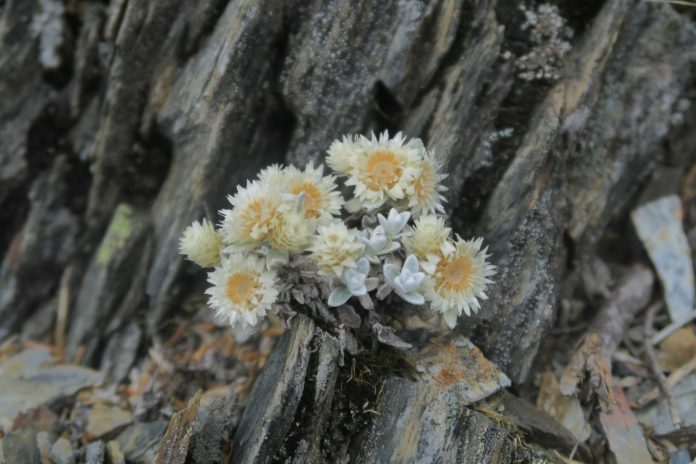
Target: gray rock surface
26,383
62,452
139,442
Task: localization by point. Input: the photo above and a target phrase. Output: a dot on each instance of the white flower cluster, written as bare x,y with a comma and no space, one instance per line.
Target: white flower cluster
388,237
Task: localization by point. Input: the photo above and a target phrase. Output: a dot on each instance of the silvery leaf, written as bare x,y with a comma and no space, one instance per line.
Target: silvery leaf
411,264
355,282
391,272
383,222
338,296
394,223
414,298
276,258
377,240
363,266
400,220
408,282
358,291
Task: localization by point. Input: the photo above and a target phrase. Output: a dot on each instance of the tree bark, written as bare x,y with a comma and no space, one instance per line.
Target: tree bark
121,124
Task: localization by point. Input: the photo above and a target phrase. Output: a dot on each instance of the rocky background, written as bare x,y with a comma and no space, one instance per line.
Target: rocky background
122,121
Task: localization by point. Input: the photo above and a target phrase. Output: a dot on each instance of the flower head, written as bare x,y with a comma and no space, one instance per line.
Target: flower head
343,153
255,208
321,199
383,168
290,230
424,193
336,248
201,243
460,279
273,176
428,237
242,290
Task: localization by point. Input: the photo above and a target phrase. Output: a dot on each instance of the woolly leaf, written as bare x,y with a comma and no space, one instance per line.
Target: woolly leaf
339,295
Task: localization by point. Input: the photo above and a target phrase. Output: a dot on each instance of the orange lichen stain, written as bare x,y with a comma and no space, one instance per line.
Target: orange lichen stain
450,370
486,369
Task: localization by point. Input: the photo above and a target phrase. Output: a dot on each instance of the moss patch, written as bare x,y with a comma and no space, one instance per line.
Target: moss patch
120,228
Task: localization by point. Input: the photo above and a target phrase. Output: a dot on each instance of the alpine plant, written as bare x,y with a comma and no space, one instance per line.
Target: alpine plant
372,233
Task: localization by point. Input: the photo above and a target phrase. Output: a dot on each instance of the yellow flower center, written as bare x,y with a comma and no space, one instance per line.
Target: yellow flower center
312,200
257,216
241,288
455,273
383,170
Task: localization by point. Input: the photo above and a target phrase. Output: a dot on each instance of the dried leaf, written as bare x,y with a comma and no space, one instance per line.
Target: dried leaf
346,342
366,302
565,409
384,291
349,317
386,335
588,359
678,348
298,295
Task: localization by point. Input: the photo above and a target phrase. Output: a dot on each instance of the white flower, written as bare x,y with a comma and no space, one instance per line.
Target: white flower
201,243
424,192
248,224
242,290
407,280
321,199
273,177
428,237
383,168
459,280
343,153
336,248
290,230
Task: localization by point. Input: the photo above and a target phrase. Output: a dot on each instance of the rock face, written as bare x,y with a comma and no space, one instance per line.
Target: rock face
121,124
